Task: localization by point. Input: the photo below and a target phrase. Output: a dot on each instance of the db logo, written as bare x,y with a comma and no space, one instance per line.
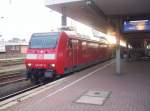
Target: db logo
40,56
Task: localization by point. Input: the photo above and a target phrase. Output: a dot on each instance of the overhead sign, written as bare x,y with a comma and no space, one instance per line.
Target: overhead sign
136,26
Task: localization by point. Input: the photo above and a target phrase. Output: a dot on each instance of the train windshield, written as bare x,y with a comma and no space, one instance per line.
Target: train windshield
44,41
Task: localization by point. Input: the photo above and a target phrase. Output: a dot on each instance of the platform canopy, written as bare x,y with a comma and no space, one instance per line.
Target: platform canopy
99,13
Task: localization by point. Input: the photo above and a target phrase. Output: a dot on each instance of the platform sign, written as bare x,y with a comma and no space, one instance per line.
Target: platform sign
136,26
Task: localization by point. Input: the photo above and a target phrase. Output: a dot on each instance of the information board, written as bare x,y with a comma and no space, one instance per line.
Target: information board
136,26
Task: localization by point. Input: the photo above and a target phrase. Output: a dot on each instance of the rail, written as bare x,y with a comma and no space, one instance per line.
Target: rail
19,92
11,78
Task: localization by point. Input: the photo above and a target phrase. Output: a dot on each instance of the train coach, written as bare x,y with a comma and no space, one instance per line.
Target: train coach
57,53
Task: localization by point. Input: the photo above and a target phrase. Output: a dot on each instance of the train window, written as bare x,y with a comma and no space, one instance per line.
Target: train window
43,41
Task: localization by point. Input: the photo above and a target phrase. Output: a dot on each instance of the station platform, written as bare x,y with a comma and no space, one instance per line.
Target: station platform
127,92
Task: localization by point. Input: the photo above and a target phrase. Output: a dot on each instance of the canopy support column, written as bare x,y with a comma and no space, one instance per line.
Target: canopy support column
63,17
118,61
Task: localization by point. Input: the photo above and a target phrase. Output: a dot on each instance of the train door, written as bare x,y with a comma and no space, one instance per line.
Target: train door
69,54
75,52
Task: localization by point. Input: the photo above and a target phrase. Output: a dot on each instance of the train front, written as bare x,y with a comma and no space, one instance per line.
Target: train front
41,56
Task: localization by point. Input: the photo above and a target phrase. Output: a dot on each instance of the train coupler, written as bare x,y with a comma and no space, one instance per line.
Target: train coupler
49,73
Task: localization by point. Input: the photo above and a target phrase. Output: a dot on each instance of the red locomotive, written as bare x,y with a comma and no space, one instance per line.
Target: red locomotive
57,53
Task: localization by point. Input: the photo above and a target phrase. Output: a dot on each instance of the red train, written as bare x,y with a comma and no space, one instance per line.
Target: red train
57,53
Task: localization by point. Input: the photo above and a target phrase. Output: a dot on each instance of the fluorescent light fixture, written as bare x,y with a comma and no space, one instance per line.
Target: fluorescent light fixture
138,21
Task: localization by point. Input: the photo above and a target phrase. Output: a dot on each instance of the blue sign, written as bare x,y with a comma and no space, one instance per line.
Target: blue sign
136,26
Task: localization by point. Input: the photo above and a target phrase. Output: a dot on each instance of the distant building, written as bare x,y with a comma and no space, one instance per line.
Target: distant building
16,46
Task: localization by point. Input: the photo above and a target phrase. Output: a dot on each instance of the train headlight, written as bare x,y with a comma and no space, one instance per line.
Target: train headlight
53,65
29,64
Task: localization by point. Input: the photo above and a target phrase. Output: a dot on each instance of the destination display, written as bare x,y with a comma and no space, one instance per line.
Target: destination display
136,26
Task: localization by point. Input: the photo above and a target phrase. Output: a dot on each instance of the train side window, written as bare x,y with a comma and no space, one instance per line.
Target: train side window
69,43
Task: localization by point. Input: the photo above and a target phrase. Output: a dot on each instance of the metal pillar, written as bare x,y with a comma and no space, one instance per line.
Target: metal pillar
63,17
118,61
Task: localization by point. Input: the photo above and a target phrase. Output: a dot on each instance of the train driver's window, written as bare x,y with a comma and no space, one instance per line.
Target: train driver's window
69,44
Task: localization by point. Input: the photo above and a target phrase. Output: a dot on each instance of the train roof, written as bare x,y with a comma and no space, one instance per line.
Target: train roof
45,33
72,34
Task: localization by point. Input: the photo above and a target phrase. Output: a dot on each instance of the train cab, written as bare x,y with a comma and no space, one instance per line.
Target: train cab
41,56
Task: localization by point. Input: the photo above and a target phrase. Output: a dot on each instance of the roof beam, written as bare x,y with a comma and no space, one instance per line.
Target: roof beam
96,9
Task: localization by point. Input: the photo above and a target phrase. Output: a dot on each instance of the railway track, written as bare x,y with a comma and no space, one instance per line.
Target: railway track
30,90
13,81
19,92
32,87
11,78
11,61
4,64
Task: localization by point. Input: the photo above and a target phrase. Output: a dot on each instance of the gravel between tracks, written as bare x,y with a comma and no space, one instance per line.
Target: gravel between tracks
14,87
